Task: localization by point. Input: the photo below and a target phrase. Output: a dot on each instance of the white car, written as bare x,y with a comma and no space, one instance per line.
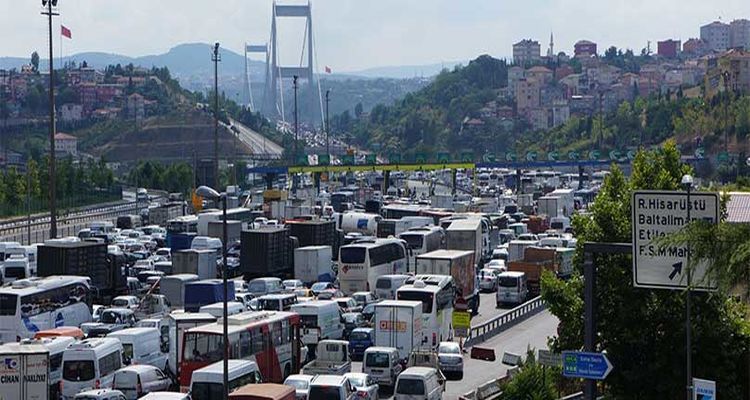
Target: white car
496,264
365,386
130,302
451,359
100,394
300,383
488,279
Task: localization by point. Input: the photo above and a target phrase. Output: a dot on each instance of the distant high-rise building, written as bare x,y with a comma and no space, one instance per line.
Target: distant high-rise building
716,35
527,52
739,34
584,48
668,48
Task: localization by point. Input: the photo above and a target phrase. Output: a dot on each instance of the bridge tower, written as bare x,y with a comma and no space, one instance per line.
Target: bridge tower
248,90
274,99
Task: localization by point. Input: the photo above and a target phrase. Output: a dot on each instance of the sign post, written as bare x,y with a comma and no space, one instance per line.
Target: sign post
579,364
461,323
656,214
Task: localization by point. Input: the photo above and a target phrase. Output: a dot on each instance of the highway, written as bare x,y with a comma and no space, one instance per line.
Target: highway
533,333
257,142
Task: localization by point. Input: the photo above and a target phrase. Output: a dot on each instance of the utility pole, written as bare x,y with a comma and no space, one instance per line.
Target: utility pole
216,57
328,126
296,134
52,191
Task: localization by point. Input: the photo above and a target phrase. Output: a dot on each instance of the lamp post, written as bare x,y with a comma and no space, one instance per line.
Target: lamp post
328,127
216,57
687,185
296,134
52,192
207,192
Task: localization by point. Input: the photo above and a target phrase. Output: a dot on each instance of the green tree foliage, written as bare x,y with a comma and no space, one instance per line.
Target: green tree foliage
533,382
643,330
172,178
35,61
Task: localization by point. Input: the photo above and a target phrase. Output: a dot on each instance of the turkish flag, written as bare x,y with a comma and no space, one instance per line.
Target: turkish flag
66,32
328,69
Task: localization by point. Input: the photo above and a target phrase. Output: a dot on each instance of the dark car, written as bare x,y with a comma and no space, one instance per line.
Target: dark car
352,320
359,340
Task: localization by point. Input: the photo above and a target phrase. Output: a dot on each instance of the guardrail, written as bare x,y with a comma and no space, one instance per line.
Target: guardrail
488,329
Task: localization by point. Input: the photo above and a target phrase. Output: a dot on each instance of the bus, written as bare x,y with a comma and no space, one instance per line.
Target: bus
362,262
269,338
436,292
422,240
32,305
244,215
181,231
339,199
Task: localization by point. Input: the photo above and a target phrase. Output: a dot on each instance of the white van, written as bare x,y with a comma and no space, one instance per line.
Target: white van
512,288
24,251
320,319
206,243
90,363
100,394
386,286
277,302
382,364
136,380
16,267
207,383
141,346
419,383
217,309
263,286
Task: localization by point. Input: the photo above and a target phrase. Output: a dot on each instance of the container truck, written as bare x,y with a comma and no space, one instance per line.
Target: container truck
234,231
456,263
208,291
160,215
24,372
466,234
266,252
398,324
313,264
551,206
173,287
366,224
197,262
517,248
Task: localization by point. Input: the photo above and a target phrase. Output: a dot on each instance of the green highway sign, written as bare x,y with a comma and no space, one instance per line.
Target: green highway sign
553,156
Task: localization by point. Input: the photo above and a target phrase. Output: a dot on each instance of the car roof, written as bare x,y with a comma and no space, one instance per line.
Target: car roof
301,377
512,274
328,380
137,368
418,371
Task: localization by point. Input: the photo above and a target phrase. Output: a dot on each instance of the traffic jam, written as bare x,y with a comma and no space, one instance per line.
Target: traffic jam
341,292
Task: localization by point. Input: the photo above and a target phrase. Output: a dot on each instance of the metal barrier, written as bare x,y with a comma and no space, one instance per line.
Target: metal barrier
488,329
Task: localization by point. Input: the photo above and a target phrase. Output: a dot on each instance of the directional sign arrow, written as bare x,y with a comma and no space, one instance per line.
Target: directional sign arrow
578,364
676,270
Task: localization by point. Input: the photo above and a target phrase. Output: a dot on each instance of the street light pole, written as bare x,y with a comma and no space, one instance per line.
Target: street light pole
687,183
216,57
226,294
52,191
328,126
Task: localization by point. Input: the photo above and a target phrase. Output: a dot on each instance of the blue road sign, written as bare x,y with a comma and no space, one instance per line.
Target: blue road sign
577,364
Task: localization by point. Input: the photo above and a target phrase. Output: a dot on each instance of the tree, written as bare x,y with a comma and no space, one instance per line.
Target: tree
643,330
35,61
533,381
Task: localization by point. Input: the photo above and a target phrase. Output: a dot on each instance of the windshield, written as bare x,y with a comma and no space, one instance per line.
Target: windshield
127,352
410,386
449,349
413,240
324,393
8,303
309,321
359,336
257,286
15,272
269,305
319,286
111,317
378,360
351,318
353,255
509,282
357,381
383,284
78,370
424,297
120,303
297,384
207,391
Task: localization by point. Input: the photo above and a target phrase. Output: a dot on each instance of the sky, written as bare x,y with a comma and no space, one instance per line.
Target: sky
352,35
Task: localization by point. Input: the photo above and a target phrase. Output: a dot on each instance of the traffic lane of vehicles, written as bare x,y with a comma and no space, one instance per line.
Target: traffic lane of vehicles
530,333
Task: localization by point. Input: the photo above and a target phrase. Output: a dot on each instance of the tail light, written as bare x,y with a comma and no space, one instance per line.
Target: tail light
61,386
18,338
97,384
362,394
434,338
139,387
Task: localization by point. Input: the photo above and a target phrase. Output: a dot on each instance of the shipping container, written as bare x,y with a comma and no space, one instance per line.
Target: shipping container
456,263
205,292
234,231
173,287
313,264
265,252
160,215
398,324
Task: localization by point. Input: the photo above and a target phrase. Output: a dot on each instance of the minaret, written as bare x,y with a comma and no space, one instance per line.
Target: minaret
551,49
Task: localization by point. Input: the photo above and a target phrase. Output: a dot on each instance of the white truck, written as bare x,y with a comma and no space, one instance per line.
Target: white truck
567,201
198,262
466,234
456,263
313,264
173,286
551,206
332,358
398,324
517,248
24,372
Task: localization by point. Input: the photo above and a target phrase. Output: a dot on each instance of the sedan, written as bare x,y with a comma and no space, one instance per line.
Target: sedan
488,279
451,359
321,286
290,285
300,383
365,386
